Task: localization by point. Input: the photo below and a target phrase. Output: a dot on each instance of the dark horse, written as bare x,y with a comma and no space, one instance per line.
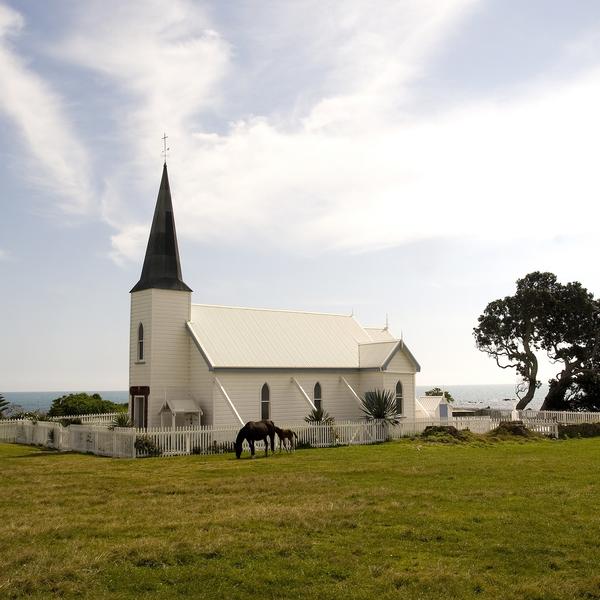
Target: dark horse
254,431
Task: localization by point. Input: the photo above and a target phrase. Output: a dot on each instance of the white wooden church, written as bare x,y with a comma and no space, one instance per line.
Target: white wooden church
226,365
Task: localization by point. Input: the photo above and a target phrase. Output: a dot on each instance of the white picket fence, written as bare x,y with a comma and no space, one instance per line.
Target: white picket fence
561,417
97,438
211,440
97,419
90,439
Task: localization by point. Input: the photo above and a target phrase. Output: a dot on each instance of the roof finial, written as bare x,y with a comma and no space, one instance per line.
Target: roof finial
387,322
165,137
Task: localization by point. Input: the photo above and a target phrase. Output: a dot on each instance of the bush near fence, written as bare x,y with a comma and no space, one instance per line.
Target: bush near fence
579,430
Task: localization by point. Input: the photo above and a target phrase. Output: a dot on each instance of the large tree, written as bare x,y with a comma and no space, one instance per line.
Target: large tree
545,315
584,394
571,338
82,404
509,330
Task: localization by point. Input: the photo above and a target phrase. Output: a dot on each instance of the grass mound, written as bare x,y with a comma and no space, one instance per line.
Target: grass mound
579,430
512,429
447,434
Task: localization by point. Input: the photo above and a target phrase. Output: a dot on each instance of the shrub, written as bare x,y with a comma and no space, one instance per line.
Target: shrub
82,404
320,416
121,420
34,416
381,405
66,421
217,448
303,445
146,445
579,430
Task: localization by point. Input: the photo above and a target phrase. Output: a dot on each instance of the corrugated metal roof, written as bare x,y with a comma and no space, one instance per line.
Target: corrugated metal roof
379,334
375,354
265,338
238,337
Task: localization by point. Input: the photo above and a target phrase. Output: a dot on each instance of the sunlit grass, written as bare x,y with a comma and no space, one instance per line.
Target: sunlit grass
398,520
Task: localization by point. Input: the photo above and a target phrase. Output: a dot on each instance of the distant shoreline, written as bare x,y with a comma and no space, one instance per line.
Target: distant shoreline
467,395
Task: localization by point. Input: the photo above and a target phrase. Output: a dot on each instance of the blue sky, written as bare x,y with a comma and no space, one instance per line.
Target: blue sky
414,160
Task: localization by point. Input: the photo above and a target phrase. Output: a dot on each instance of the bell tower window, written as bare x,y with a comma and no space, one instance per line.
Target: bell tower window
140,343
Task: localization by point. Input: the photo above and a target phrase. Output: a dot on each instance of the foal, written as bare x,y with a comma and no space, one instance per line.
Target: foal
285,436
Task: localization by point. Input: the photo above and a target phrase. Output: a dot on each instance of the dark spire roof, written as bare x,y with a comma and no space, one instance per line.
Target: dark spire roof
162,269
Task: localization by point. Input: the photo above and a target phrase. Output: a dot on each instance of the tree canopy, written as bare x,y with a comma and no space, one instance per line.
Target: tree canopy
82,404
436,391
562,320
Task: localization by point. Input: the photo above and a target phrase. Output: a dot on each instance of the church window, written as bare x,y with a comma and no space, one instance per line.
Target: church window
265,408
317,396
399,397
140,343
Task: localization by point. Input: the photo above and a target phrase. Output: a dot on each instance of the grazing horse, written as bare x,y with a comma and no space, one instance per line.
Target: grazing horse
285,436
254,431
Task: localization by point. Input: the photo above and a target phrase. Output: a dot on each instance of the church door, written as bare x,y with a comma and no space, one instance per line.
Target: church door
140,411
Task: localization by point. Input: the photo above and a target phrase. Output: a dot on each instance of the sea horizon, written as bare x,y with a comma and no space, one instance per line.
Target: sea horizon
494,395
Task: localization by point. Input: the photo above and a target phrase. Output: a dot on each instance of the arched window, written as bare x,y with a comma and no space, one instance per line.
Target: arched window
317,396
140,342
265,408
399,406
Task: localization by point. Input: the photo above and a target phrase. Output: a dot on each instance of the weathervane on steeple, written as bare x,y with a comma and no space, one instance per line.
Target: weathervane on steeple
165,137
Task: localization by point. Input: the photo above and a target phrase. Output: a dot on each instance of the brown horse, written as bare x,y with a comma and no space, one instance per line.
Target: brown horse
254,431
285,436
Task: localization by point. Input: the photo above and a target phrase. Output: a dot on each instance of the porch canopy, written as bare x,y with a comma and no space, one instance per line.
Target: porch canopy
179,406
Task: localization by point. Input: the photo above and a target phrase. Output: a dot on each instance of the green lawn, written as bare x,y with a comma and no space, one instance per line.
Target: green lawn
398,520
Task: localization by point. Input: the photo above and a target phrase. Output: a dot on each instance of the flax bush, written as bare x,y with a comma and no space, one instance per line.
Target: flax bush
380,405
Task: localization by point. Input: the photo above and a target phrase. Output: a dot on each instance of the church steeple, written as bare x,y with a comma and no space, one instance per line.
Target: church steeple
162,269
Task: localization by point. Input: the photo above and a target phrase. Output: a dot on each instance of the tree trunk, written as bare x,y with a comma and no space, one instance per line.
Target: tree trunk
532,363
528,397
555,399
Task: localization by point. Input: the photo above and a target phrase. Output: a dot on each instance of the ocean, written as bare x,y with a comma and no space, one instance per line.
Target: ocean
478,396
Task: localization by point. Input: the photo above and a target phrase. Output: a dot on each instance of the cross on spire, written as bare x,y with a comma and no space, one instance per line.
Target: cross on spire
165,137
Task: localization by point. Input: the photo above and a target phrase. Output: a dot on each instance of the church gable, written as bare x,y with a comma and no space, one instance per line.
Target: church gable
402,361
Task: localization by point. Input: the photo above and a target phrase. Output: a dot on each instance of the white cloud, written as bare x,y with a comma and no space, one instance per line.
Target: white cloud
35,109
296,167
500,170
166,58
354,169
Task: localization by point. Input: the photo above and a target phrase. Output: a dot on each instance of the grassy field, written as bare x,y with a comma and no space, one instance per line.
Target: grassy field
398,520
